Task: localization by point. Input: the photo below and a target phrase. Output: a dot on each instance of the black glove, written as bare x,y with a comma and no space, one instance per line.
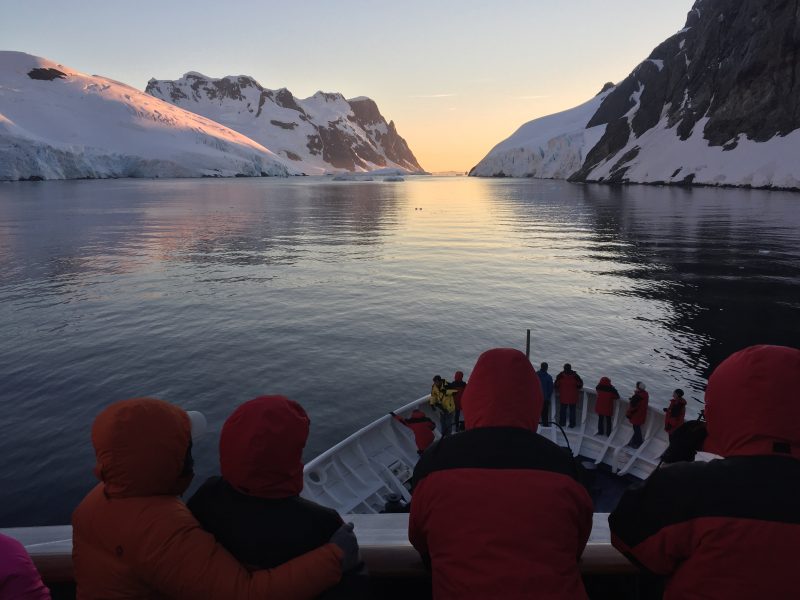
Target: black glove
685,442
346,540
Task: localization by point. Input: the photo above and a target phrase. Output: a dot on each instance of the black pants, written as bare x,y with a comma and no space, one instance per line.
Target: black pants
637,438
563,417
546,411
603,425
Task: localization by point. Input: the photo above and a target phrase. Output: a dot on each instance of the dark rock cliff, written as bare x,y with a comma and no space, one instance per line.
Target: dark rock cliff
735,63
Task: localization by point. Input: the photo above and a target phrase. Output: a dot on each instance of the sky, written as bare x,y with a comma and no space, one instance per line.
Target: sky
455,77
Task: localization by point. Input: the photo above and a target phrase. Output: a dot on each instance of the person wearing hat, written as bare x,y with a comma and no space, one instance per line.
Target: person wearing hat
675,412
254,508
422,427
133,536
728,529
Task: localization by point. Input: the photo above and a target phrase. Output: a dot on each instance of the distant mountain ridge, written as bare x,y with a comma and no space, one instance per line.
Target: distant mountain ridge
58,123
320,134
717,103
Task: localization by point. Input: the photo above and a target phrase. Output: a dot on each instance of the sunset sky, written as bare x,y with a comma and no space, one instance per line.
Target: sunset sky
456,77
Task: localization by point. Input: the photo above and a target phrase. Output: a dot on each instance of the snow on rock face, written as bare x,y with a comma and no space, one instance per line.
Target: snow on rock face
319,134
714,104
58,123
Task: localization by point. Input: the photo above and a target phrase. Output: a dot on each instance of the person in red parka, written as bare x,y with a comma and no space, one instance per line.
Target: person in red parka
422,427
727,529
254,508
637,413
604,407
498,510
675,413
568,385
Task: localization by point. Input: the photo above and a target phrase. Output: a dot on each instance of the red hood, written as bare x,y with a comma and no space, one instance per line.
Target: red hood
604,381
417,414
503,391
261,447
752,403
459,376
141,447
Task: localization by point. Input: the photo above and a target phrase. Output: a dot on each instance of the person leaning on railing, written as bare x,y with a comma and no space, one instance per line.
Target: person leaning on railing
133,537
727,529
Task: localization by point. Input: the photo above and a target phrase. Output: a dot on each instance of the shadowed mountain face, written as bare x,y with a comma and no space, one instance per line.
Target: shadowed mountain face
322,133
735,63
716,104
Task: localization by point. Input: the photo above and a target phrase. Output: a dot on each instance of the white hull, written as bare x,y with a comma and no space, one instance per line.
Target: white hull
359,473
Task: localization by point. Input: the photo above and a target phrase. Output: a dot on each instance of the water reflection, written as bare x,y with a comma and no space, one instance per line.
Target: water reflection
349,296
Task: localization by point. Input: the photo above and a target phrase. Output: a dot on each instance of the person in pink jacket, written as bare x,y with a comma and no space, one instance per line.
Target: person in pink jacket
19,579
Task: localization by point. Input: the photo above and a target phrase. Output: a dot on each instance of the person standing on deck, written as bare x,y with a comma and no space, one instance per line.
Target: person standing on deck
133,537
568,384
444,404
254,508
604,407
422,427
676,412
546,381
727,529
456,388
637,413
498,510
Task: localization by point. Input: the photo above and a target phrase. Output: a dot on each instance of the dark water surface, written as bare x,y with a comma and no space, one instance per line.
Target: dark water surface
349,296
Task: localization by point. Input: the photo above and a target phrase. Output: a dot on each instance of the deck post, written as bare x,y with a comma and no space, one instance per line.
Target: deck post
528,344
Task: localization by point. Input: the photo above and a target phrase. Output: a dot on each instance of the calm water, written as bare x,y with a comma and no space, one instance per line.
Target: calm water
349,297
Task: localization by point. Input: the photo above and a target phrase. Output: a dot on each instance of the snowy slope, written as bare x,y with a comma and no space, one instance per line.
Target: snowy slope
688,114
552,147
323,133
57,123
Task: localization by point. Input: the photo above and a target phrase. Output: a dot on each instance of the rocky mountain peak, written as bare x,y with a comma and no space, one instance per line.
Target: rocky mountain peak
320,133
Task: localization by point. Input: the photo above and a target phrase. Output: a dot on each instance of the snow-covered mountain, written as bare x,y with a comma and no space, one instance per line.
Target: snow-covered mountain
57,123
714,104
323,133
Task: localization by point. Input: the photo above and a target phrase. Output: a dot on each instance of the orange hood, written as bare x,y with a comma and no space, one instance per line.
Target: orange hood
503,391
141,447
752,403
261,447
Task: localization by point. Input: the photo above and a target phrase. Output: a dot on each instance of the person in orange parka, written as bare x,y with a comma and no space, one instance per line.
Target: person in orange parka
637,413
422,427
604,407
676,412
568,384
133,537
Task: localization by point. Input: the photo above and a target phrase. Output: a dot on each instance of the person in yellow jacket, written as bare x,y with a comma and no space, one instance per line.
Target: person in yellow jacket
133,537
443,401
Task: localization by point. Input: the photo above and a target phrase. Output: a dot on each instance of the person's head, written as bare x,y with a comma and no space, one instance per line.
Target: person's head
417,414
437,379
640,386
677,394
143,448
604,381
261,447
567,368
503,391
543,367
752,404
459,376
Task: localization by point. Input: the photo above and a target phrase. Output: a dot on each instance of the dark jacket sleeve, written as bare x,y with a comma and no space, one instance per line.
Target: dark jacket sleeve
647,527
